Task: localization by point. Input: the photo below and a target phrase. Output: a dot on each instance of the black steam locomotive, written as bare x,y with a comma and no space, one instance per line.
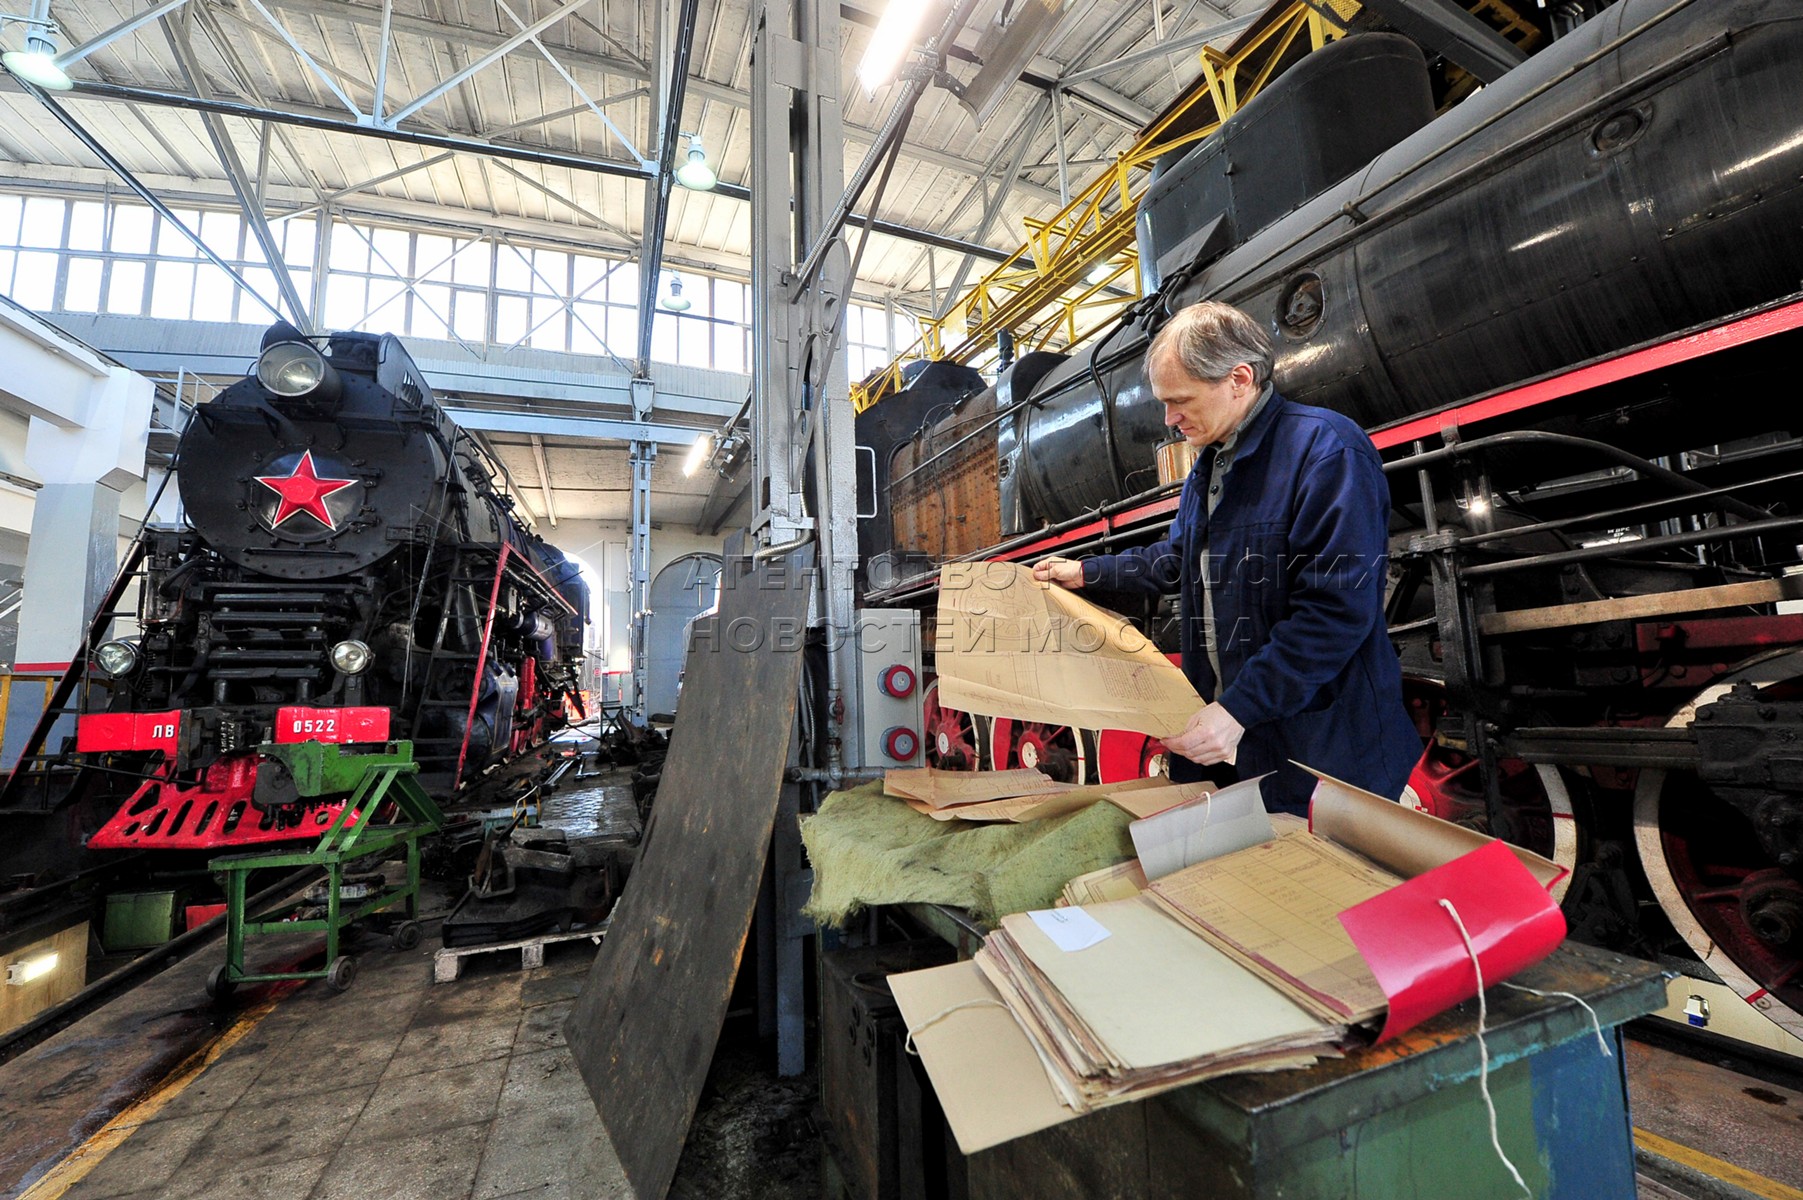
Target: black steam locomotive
1568,311
349,574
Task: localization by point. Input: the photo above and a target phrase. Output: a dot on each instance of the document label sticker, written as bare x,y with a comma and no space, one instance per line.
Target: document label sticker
1069,928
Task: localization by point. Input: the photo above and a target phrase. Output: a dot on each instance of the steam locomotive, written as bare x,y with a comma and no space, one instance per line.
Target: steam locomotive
1564,309
348,574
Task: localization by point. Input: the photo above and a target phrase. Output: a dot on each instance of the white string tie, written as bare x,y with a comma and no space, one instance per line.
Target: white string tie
1596,1025
1483,1051
941,1015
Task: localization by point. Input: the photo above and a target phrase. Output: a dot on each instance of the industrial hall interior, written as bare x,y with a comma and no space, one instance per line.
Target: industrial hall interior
901,600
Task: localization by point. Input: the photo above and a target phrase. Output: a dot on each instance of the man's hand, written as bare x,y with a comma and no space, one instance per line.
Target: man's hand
1065,572
1212,736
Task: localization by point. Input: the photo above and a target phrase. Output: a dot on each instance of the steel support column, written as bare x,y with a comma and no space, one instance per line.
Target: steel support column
801,415
675,37
641,456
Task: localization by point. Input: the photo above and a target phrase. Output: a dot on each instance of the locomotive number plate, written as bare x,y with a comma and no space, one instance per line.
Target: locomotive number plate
128,731
331,725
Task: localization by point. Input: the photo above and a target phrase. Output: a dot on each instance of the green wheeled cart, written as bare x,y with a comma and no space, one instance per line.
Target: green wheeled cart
373,781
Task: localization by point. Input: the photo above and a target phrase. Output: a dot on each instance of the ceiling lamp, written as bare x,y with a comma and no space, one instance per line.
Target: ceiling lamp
890,42
36,64
695,174
675,301
699,452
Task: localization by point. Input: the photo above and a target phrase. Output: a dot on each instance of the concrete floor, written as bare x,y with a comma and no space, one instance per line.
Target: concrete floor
397,1088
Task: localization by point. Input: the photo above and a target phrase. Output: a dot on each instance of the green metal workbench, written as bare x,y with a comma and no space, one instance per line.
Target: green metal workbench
371,780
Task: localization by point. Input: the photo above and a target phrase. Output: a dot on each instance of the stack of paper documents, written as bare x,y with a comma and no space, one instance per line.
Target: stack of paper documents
1121,1002
1274,907
1122,880
941,789
1022,794
1244,957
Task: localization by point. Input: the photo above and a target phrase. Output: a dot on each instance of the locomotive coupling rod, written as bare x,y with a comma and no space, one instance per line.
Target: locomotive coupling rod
1679,482
1602,746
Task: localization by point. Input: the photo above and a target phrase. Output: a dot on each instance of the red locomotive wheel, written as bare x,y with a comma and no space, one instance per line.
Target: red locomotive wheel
1738,911
1057,750
1122,755
1537,812
951,736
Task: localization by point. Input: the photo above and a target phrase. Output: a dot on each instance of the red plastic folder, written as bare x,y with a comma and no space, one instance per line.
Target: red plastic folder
1413,947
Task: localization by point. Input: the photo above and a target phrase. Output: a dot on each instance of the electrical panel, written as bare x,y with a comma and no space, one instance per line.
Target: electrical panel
888,717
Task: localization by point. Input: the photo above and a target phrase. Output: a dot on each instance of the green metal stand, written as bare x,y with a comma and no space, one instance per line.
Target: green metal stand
372,780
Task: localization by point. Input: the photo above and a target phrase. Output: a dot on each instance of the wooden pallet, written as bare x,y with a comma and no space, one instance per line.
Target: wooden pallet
447,962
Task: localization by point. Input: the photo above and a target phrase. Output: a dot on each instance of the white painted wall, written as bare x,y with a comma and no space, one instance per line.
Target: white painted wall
603,545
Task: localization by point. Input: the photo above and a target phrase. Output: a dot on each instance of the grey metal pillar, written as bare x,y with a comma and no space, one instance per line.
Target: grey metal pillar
641,456
801,417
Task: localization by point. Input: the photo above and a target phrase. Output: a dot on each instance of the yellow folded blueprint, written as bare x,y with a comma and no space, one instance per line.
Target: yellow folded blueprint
1009,646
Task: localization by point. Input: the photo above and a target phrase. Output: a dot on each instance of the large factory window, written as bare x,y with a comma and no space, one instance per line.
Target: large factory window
119,256
872,337
710,332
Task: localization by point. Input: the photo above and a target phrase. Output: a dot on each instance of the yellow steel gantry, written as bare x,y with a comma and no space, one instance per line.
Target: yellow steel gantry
1046,292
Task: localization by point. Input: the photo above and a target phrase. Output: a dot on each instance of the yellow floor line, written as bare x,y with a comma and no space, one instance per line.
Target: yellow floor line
109,1137
1727,1172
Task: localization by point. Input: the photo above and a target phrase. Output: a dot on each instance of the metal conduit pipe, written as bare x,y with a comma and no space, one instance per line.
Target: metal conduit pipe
1617,549
1683,483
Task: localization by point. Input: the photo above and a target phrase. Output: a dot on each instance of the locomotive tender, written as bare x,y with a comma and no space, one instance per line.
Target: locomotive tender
1538,303
348,574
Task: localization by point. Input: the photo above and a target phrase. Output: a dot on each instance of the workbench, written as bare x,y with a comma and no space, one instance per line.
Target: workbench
1400,1120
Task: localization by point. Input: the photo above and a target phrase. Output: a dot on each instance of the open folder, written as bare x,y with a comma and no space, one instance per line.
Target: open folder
1324,928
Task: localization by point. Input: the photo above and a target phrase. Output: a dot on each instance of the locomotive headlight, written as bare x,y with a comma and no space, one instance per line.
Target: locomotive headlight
292,369
116,658
352,657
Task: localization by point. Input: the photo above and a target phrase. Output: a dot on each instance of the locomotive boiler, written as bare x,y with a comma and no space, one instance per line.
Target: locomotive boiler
1562,309
347,573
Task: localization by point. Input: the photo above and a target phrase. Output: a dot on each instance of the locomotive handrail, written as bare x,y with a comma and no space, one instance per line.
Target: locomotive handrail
1626,458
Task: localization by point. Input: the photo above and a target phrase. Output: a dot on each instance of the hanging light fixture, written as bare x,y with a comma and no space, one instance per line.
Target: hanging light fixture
674,300
695,174
699,452
890,42
36,64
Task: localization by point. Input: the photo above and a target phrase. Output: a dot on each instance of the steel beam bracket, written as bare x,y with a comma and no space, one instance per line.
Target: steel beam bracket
644,396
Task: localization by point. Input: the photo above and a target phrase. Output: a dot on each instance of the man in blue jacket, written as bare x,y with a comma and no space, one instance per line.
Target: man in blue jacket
1278,552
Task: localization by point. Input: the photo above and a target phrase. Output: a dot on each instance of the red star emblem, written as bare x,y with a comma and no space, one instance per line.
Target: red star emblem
303,491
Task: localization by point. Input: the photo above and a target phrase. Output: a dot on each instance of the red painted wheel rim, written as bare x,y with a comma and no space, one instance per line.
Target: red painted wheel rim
951,735
1056,750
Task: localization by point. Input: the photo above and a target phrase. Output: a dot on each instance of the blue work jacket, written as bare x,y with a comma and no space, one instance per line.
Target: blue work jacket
1296,551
